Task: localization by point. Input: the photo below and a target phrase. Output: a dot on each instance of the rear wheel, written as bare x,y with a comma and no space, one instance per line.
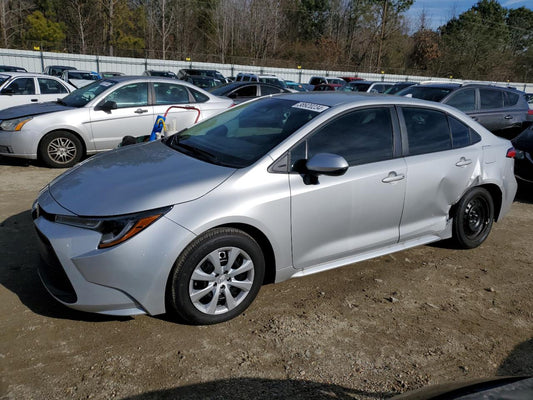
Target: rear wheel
217,277
60,149
473,218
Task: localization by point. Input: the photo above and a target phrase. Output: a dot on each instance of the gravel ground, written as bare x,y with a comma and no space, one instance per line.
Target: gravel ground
366,331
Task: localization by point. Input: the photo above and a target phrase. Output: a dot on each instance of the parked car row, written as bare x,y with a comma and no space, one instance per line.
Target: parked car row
96,117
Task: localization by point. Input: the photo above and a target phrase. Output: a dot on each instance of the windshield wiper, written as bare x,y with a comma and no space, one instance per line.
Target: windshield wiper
205,155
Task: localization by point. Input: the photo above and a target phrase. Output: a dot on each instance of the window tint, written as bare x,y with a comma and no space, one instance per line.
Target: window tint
460,133
170,93
360,136
245,91
510,99
491,98
464,100
265,90
22,86
133,95
50,86
427,130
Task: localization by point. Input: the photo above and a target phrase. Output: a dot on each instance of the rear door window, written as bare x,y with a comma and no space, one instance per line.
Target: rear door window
490,98
427,130
50,86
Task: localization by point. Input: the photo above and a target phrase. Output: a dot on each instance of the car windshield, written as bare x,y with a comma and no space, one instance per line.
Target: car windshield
426,92
82,96
359,87
242,135
82,75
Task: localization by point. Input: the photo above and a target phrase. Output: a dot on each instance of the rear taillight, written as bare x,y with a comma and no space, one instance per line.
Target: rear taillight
511,153
530,112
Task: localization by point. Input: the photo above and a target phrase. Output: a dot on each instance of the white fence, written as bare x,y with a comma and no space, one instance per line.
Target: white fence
36,61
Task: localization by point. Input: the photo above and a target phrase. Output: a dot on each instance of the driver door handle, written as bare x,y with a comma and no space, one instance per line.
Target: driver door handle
463,162
393,177
140,111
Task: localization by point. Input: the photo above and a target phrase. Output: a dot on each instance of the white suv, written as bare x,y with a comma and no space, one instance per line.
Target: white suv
18,88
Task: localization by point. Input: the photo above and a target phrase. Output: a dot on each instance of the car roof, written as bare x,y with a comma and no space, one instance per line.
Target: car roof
335,99
440,85
27,74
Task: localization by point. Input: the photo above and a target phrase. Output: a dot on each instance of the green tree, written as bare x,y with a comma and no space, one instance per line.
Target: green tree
476,43
42,29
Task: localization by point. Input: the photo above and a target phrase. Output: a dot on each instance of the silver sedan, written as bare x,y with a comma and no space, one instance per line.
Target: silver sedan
279,187
96,117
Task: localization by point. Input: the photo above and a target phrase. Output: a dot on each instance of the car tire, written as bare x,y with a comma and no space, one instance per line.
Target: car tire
60,149
216,277
473,218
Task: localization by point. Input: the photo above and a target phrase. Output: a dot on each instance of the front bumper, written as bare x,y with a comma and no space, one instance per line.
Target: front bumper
18,144
126,279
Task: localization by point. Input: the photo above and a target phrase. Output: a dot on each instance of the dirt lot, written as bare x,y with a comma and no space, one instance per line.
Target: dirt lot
368,331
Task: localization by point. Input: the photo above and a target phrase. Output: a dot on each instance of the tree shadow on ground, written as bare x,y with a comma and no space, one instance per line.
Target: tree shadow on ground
260,389
18,271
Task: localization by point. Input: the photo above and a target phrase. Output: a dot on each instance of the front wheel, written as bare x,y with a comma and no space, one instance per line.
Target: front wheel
473,218
216,277
60,149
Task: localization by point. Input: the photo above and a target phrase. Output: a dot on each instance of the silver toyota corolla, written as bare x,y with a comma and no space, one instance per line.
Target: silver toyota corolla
280,187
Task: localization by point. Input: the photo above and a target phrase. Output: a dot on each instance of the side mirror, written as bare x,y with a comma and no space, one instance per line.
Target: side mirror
327,164
108,106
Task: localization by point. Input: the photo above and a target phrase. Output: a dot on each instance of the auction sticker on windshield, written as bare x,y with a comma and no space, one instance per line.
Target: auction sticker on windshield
310,106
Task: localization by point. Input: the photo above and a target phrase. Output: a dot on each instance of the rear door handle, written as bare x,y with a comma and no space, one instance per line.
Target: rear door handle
34,100
140,111
463,162
508,117
393,177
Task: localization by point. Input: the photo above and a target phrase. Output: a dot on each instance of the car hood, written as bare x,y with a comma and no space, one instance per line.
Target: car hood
32,109
135,178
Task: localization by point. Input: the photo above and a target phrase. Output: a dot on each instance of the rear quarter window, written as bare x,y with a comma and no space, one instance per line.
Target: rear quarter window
427,130
510,99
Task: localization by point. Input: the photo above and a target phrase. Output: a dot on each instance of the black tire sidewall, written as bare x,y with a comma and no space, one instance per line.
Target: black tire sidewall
460,237
45,142
193,254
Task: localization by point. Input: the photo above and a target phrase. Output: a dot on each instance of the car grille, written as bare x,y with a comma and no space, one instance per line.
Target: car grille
52,273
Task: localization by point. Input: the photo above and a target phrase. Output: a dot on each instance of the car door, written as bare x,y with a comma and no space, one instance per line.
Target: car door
181,106
491,113
50,89
132,117
18,92
442,163
340,216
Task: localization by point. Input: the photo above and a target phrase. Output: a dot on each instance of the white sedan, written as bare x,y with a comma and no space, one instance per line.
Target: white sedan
17,88
96,117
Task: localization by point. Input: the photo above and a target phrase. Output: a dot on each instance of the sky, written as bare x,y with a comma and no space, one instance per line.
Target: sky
438,12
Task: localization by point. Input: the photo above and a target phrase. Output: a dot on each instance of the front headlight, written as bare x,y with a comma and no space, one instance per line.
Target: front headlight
115,230
14,124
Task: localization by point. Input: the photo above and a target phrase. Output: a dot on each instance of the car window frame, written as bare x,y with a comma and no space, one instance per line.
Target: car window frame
475,137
